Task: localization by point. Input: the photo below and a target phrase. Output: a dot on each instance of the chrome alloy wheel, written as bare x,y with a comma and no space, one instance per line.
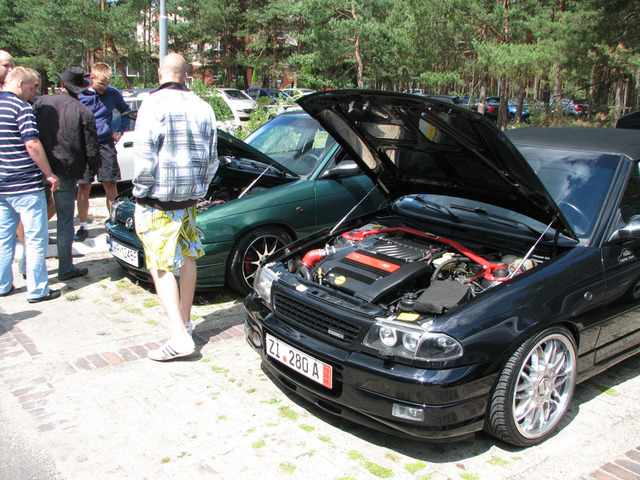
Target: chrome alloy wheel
544,386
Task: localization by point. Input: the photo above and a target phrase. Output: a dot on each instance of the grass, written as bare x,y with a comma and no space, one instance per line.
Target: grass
415,467
286,412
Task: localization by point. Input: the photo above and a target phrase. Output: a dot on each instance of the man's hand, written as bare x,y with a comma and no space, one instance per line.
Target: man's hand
54,181
116,137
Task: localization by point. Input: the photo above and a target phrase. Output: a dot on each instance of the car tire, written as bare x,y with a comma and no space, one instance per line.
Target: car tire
247,253
534,389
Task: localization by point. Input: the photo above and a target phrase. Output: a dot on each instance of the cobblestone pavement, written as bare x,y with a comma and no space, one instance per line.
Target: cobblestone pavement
76,370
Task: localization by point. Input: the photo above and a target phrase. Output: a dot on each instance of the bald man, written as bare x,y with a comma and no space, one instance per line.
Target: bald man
6,65
175,160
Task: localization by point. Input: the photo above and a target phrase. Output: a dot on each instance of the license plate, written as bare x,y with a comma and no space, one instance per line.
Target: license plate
300,362
125,254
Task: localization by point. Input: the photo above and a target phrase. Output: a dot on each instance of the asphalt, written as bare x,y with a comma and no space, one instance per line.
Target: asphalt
80,400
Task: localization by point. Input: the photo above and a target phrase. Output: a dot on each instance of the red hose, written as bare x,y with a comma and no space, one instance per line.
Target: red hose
489,267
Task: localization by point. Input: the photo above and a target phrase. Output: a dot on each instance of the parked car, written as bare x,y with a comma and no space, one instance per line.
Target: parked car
630,120
124,147
239,102
492,107
569,107
296,93
273,94
505,271
448,99
289,179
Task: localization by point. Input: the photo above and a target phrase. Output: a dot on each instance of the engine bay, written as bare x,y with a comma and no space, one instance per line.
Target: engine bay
407,270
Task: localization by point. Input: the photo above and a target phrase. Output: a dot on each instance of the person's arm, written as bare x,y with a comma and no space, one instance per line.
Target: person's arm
37,154
123,107
91,144
144,153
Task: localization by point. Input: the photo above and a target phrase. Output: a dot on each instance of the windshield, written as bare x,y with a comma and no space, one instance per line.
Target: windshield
578,182
296,142
236,95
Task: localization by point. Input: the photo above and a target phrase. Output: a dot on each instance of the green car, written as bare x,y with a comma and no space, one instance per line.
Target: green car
288,179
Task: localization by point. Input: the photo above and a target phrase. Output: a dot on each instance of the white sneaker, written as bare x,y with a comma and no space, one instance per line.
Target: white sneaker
172,349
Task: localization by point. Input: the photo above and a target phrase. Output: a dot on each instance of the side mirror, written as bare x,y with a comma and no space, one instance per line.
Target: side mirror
346,168
631,231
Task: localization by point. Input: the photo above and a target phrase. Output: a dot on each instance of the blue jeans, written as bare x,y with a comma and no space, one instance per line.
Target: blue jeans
31,208
65,198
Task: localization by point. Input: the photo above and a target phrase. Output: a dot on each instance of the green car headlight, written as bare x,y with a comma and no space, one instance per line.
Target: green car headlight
411,342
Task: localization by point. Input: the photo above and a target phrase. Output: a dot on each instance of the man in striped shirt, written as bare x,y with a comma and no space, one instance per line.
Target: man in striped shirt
22,165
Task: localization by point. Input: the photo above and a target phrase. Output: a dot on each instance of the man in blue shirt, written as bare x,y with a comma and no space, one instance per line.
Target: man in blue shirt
22,164
102,99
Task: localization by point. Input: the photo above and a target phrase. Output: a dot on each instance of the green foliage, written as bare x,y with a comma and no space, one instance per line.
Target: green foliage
527,48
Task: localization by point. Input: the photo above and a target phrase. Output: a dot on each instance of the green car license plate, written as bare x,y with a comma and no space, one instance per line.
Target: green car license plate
125,254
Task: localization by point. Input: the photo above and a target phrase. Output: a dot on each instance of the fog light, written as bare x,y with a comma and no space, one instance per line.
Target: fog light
255,338
408,413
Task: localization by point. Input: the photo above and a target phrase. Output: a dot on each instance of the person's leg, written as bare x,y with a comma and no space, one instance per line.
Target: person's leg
36,240
188,275
9,219
65,198
109,172
84,190
111,192
22,264
169,295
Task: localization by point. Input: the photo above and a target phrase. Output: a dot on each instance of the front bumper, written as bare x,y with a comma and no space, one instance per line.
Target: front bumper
211,267
368,390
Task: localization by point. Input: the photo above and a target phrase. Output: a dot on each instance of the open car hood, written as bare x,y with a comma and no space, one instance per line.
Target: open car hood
408,144
228,145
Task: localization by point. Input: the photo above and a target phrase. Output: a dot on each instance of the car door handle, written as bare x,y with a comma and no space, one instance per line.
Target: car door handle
127,144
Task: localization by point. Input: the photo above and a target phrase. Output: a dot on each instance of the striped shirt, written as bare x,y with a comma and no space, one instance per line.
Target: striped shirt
18,171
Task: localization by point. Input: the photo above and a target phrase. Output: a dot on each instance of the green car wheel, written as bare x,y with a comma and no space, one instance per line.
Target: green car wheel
247,253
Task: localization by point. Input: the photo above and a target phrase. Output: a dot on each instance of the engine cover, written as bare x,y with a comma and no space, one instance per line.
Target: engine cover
365,272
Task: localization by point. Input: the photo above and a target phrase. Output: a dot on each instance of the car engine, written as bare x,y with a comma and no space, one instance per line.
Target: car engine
407,270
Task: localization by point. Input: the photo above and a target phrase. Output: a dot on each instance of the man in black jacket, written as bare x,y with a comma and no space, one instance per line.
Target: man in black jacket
68,134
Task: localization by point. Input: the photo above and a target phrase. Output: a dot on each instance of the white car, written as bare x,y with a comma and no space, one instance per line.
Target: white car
239,102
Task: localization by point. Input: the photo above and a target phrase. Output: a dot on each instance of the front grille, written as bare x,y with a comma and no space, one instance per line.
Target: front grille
315,320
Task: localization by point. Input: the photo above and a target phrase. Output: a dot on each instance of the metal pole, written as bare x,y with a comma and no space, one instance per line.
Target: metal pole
163,29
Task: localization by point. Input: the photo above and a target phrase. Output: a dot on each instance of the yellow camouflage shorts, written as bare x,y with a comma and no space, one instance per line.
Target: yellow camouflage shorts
167,236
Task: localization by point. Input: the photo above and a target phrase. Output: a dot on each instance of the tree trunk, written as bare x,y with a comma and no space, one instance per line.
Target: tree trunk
557,96
357,54
521,93
483,93
620,95
503,110
121,69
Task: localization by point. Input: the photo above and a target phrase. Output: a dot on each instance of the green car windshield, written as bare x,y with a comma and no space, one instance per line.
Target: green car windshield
297,142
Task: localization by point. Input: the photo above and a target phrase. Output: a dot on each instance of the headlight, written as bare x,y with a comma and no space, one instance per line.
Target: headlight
114,206
200,233
262,282
412,342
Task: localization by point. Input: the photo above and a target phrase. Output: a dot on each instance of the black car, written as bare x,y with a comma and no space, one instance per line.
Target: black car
504,273
630,120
